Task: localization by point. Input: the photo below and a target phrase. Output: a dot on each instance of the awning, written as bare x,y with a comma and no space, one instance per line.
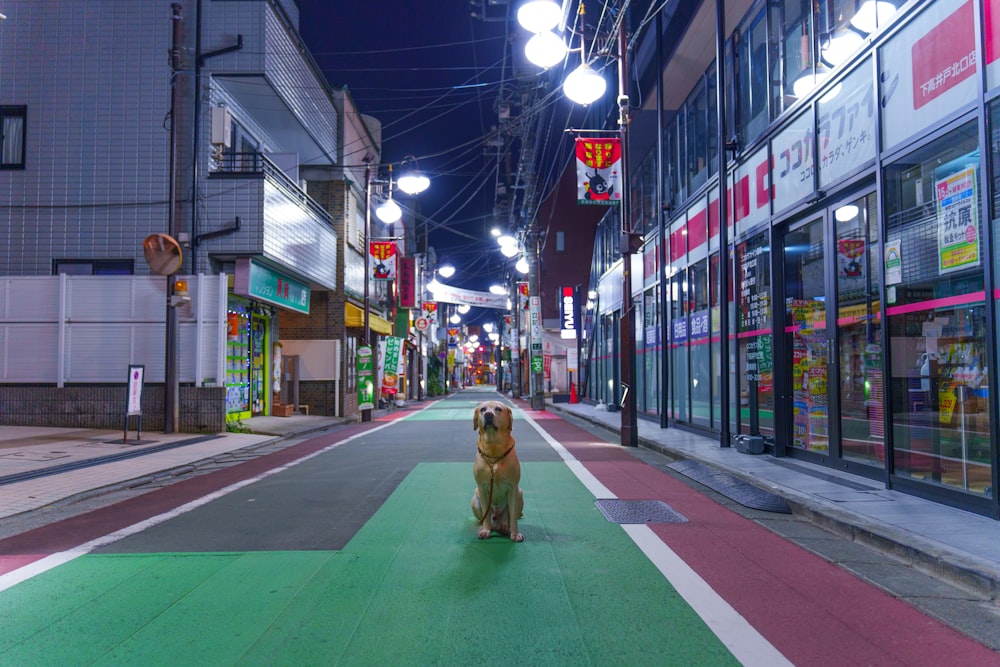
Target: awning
355,317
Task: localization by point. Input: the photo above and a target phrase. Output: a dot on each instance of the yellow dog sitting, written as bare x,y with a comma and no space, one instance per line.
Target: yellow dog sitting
498,501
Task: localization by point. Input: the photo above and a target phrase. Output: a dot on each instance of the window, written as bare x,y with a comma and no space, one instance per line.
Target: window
12,125
93,267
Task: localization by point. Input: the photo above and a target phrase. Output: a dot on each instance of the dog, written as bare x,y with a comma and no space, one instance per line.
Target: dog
498,501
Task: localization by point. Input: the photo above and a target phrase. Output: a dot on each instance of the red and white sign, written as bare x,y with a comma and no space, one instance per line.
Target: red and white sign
382,256
598,170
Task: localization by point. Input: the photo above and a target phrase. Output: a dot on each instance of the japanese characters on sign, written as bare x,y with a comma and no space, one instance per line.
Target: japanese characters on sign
598,170
383,260
958,221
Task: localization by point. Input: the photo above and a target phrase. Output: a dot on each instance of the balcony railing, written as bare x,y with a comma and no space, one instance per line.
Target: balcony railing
255,165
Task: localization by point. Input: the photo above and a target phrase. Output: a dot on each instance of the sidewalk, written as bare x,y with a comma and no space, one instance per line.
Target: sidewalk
40,466
958,546
951,544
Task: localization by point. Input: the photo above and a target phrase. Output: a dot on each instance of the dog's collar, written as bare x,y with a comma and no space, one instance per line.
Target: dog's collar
494,459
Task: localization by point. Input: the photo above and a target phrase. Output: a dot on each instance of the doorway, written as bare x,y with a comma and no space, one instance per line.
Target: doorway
833,336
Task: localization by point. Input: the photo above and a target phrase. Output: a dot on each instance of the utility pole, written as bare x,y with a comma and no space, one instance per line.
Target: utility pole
535,325
171,417
629,245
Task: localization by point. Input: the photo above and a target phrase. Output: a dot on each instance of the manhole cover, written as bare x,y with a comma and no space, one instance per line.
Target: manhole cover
638,511
744,493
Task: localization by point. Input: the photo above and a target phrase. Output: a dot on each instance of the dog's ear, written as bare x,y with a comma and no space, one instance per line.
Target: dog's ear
475,418
510,418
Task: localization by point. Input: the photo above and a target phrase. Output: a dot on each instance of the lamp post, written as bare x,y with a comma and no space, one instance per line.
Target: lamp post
583,86
388,212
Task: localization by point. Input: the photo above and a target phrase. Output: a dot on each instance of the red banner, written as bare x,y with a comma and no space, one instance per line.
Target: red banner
383,260
406,282
598,171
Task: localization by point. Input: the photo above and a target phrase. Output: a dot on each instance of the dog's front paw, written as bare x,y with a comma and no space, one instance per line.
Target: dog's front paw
484,533
516,537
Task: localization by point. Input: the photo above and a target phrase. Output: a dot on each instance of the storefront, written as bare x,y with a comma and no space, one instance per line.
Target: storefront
862,324
253,365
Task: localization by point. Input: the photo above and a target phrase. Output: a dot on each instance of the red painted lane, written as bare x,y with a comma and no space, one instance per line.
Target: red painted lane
19,550
812,611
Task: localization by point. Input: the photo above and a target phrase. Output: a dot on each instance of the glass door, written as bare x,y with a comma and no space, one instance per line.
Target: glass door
833,335
807,336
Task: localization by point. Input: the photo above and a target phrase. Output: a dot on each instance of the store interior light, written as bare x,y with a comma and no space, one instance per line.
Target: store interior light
546,49
809,79
539,15
846,213
584,85
840,47
872,14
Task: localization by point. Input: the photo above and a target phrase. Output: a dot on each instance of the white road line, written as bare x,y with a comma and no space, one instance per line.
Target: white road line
739,636
35,568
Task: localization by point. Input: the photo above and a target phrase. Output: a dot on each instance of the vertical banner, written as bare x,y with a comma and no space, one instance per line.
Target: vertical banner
366,386
406,282
135,377
390,365
522,290
598,171
430,309
383,260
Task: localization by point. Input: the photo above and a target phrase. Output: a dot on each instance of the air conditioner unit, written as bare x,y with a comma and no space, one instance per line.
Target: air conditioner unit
222,126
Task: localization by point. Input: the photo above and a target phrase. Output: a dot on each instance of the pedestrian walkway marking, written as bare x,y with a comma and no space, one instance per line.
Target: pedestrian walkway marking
749,646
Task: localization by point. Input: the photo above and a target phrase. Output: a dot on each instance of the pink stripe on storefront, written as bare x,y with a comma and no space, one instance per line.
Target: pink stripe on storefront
937,303
757,332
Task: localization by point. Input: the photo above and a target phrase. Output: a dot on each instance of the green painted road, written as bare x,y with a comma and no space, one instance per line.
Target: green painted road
413,587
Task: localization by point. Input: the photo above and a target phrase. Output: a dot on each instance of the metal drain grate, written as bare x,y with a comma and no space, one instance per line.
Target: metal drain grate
638,511
744,493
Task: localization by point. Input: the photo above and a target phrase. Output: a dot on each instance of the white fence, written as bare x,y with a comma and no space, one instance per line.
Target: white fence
88,329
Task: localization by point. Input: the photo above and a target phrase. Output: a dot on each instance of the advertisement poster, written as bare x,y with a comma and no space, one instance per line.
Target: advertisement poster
893,262
406,282
430,309
598,171
366,385
958,221
382,256
390,368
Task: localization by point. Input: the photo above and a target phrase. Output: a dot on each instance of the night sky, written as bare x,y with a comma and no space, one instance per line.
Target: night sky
432,74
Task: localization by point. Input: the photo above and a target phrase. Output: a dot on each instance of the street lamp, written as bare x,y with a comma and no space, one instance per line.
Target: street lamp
585,86
389,213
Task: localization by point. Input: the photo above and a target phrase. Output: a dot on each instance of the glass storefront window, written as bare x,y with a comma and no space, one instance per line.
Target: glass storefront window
755,376
859,332
936,309
679,346
651,364
752,91
699,338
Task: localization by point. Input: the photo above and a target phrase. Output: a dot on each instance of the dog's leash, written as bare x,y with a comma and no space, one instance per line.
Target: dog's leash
493,469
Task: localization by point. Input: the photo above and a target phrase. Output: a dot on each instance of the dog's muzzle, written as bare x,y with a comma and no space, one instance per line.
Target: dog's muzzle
488,419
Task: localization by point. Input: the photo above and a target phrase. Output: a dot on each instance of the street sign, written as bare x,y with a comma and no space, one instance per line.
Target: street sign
422,323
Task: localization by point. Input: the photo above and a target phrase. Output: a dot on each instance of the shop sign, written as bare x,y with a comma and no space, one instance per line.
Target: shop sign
699,326
893,262
846,132
927,69
390,365
366,384
958,221
598,171
406,283
263,284
749,192
537,364
567,307
792,154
